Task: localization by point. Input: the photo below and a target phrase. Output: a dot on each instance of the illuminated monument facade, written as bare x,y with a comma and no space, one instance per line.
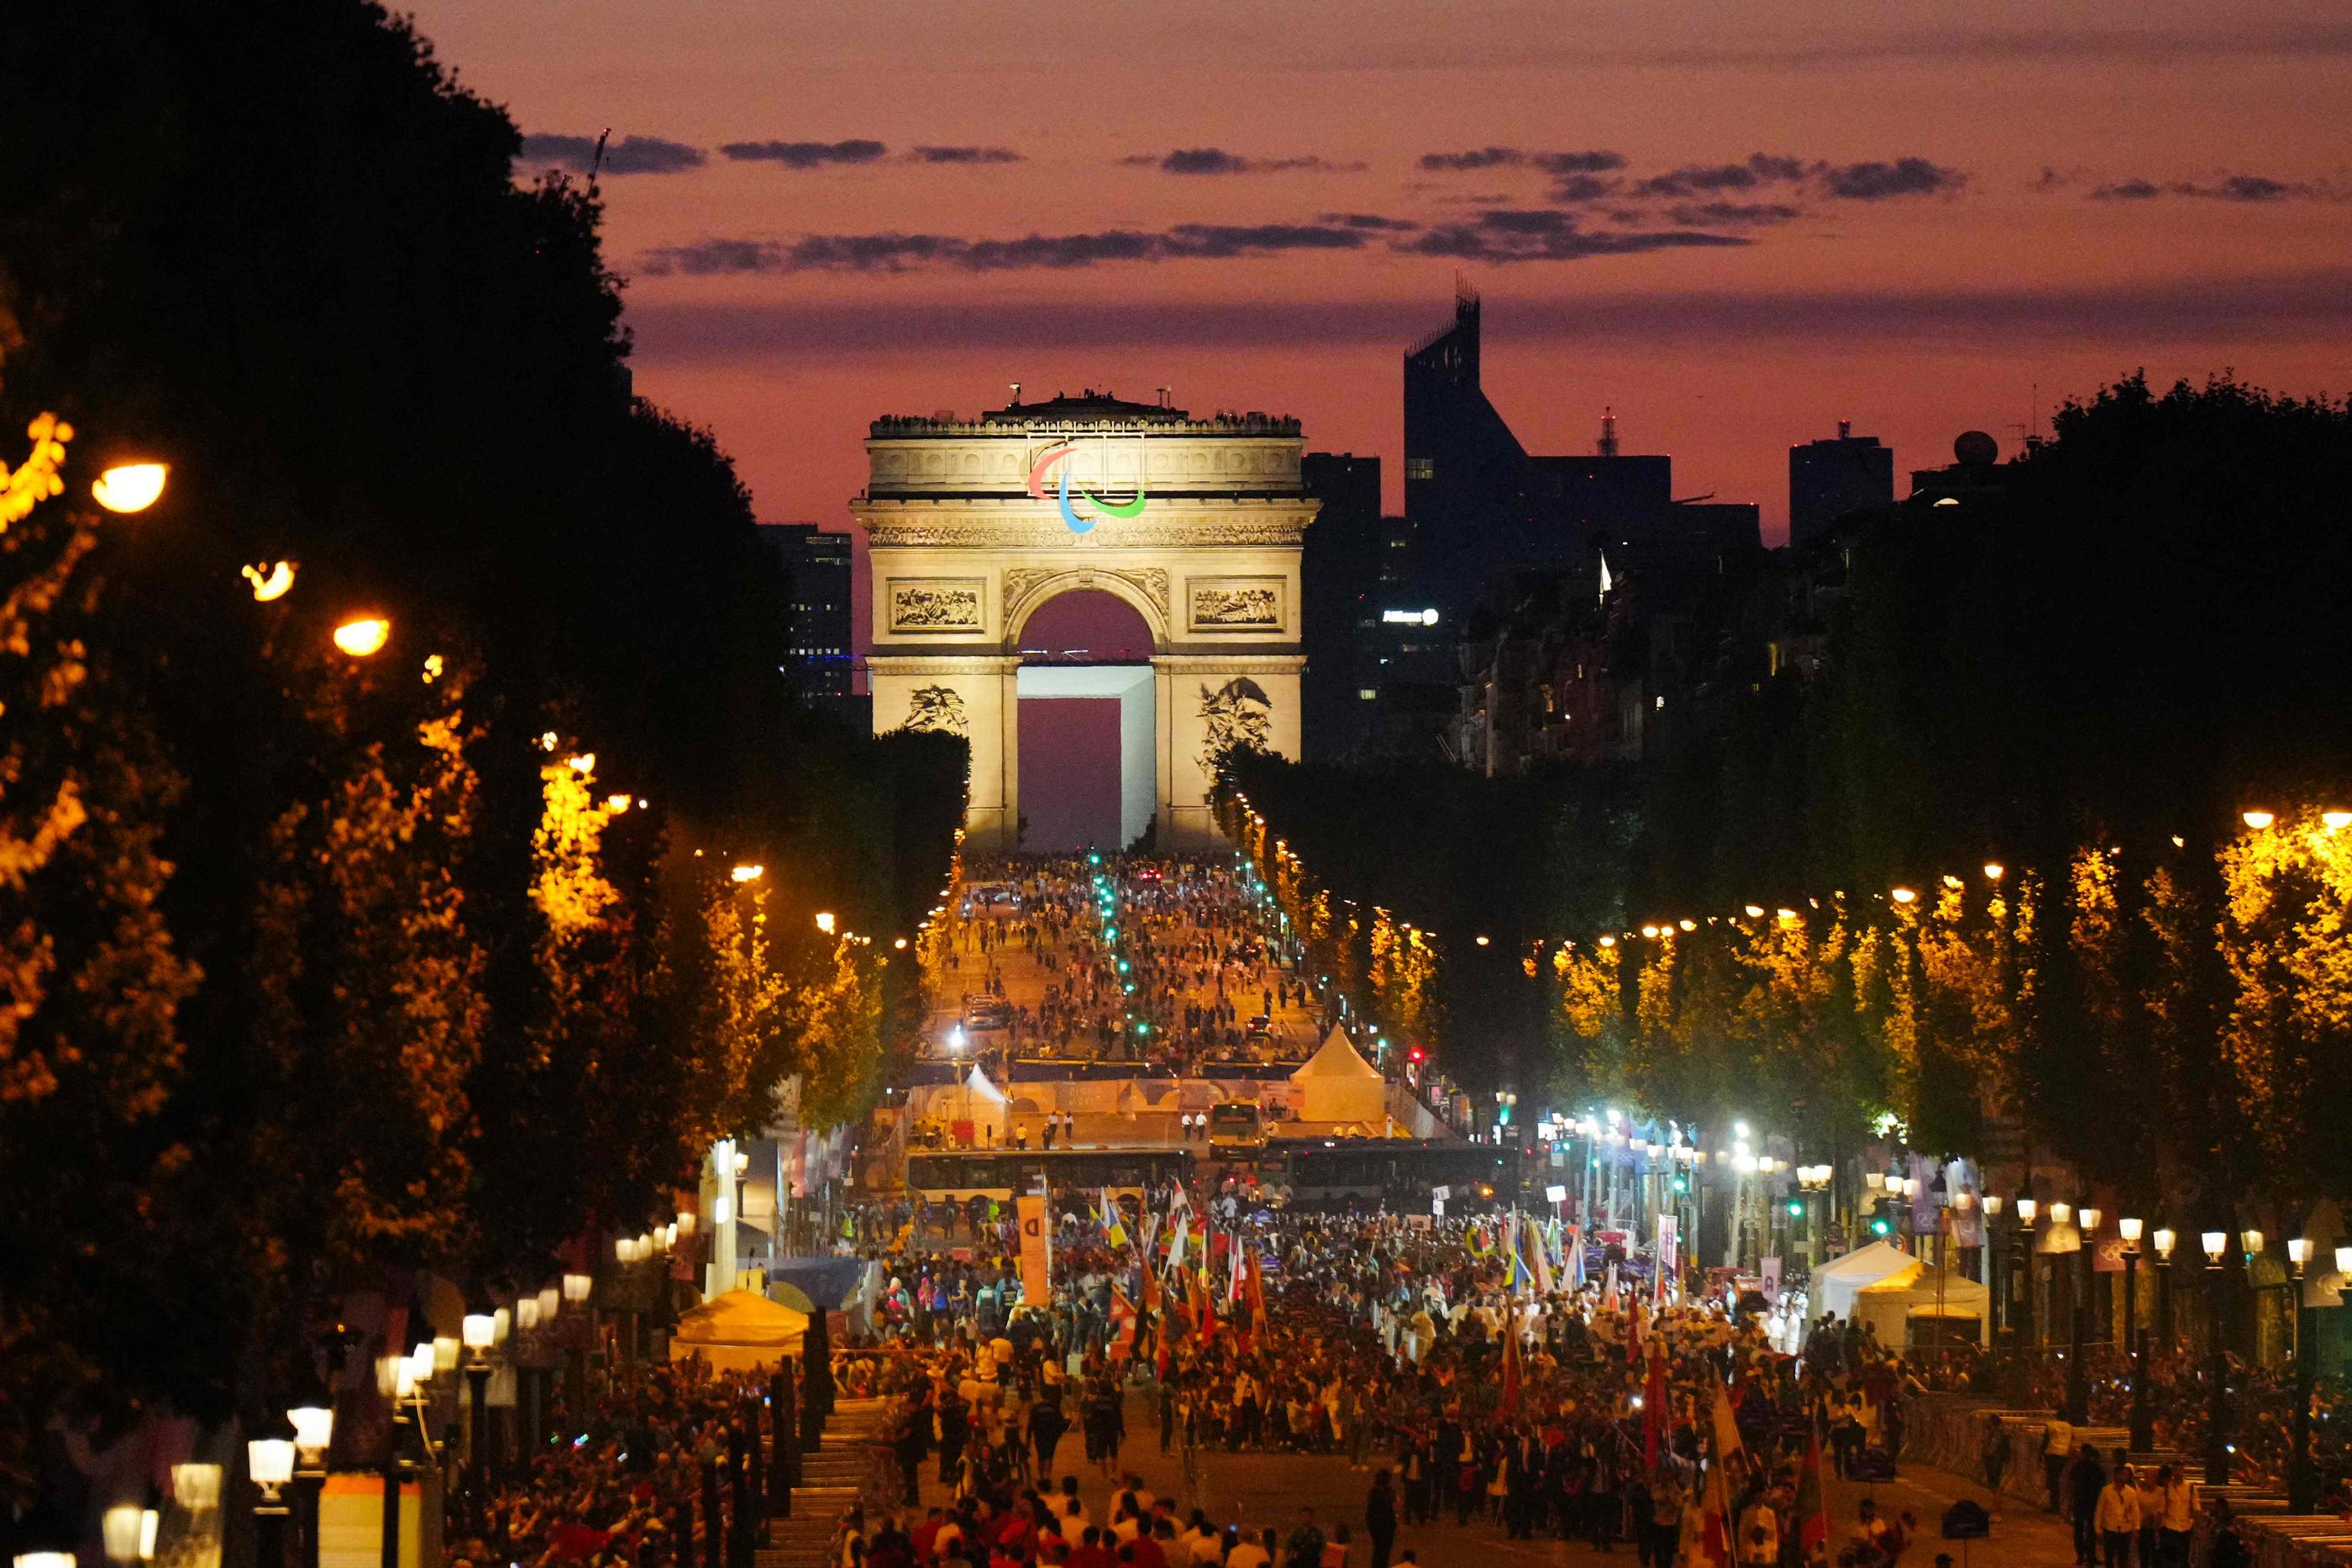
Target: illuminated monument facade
1193,523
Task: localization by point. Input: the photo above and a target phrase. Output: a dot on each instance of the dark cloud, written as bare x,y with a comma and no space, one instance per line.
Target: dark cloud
965,155
806,154
1596,162
629,155
1903,177
1705,214
1548,236
2256,189
2122,319
1476,158
1366,220
1702,179
1580,188
1217,160
891,252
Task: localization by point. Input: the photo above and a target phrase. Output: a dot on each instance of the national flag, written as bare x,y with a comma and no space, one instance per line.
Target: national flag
1176,1243
1574,1257
1608,1293
1515,1277
1150,1288
1233,1277
1728,1440
1715,1539
1511,1362
1122,1314
1540,1252
1256,1298
1634,1332
1654,1406
1812,1507
1113,1229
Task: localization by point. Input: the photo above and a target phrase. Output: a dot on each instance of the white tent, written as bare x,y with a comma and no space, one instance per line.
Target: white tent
1896,1304
982,1104
1337,1085
1836,1282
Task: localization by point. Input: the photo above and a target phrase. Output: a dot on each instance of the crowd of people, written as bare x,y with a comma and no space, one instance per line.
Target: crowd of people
1200,970
1587,1412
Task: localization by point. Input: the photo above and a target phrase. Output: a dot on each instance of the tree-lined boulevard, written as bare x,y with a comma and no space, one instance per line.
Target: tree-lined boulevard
473,1031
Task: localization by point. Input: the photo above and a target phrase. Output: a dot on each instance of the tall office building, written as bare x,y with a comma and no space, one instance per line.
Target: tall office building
1836,479
1340,574
1465,472
818,663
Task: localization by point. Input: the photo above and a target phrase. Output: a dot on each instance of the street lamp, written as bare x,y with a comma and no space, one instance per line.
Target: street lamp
2164,1239
2143,1423
1993,1204
271,1462
314,1430
2302,1480
2216,1366
2078,1388
2027,1207
130,487
481,1331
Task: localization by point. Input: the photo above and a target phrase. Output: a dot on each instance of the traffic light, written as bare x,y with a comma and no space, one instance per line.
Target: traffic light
1796,1208
1880,1225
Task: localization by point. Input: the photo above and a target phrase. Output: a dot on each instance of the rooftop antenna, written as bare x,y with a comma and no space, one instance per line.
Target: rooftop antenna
1165,392
1016,394
596,164
1608,447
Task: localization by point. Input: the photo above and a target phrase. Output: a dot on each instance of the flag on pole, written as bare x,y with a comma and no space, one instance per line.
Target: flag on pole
1511,1362
1234,1278
1540,1249
1655,1398
1112,1228
1715,1538
1256,1298
1812,1503
1575,1257
1608,1293
1634,1313
1726,1429
1176,1243
1122,1314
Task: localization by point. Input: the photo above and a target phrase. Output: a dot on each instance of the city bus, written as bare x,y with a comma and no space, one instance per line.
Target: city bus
1402,1173
1236,1126
959,1174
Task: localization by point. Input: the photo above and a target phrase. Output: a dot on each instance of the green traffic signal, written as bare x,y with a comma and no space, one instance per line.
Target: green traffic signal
1796,1208
1879,1227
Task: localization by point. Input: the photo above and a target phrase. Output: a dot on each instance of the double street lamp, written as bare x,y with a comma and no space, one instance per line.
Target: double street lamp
2143,1425
2218,1447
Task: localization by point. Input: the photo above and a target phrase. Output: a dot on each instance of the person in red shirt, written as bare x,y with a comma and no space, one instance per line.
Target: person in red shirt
926,1536
1091,1552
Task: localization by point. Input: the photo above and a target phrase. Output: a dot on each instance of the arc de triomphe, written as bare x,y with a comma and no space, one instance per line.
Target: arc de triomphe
1194,523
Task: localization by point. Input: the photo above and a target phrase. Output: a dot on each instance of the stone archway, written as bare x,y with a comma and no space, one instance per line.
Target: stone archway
1194,523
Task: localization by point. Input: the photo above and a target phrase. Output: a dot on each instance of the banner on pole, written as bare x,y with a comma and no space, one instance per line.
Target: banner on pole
1036,1251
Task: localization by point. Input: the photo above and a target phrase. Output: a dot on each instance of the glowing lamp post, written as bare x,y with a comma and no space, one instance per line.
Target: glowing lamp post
2302,1478
2216,1366
271,1462
365,636
130,487
314,1431
2143,1426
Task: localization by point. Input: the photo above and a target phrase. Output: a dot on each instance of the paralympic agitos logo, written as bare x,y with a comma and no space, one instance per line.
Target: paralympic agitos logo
1079,522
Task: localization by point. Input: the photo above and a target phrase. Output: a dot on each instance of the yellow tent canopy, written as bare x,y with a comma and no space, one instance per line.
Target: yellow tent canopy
739,1330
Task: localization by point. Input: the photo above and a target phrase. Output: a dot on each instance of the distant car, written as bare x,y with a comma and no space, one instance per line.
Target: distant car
1259,1027
983,1011
1150,873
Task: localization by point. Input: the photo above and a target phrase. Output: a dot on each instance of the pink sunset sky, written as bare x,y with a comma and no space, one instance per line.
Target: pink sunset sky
1736,223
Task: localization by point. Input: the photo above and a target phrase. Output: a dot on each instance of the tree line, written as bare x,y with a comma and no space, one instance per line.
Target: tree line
320,966
2053,836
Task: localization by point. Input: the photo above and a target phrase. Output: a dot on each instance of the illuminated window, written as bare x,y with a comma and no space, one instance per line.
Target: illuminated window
1368,693
1421,468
